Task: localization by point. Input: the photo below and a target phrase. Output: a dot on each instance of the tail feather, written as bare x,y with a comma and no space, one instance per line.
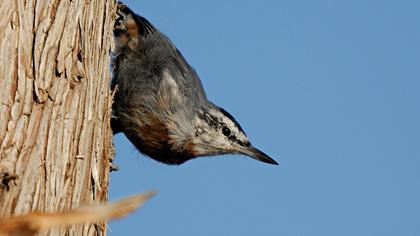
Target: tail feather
126,16
130,28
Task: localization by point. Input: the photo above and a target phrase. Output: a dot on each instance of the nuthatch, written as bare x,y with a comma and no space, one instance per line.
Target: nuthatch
160,104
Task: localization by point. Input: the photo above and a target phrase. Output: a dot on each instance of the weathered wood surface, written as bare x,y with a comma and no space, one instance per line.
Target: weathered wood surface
55,105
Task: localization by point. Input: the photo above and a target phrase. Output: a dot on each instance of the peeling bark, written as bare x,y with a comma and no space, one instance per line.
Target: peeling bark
55,106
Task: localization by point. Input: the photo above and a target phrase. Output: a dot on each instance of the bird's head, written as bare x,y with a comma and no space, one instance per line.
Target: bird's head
217,132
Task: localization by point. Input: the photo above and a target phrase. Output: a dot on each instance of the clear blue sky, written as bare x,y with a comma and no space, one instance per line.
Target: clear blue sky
330,89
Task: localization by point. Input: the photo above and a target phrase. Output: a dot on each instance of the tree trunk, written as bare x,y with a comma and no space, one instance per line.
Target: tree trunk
55,106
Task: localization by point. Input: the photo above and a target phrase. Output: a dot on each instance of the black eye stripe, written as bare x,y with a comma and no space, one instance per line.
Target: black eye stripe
246,144
224,112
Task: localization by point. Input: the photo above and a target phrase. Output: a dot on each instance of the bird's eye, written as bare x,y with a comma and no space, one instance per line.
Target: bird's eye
226,131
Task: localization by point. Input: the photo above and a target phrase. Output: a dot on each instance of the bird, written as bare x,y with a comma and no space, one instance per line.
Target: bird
160,103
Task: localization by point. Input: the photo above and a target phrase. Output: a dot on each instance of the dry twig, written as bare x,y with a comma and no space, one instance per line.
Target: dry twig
35,222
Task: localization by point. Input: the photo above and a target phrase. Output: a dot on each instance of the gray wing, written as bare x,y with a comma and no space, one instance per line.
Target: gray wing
160,54
142,54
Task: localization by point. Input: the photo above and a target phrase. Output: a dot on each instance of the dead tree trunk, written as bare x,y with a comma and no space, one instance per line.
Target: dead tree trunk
54,106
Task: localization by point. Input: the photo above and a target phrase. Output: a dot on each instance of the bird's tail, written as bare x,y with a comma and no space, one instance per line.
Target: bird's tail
130,28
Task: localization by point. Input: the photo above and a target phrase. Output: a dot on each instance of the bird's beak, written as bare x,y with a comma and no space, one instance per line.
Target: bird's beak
258,155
